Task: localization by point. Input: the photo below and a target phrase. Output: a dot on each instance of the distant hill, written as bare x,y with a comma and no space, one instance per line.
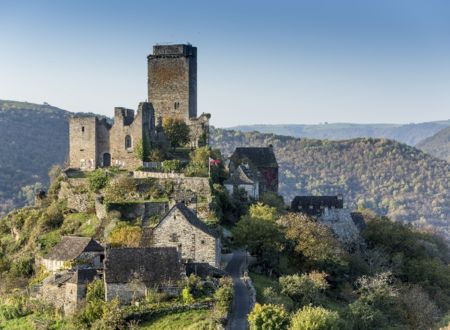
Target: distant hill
392,178
34,137
409,133
437,145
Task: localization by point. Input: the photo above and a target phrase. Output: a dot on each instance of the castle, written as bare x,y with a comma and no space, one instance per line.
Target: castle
172,93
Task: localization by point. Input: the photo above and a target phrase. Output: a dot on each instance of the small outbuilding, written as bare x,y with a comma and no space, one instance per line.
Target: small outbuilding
74,252
243,178
130,272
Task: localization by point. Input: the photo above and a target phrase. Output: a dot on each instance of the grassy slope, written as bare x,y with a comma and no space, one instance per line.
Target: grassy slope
176,321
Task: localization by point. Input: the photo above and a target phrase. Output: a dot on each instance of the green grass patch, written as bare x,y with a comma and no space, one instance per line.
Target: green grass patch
264,296
182,320
21,323
49,240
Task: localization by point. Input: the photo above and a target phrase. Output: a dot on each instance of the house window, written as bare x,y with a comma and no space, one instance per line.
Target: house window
128,143
82,129
176,105
174,237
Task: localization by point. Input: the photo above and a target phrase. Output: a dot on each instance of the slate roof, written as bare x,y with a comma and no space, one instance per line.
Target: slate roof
70,247
192,218
304,203
241,175
84,276
152,266
259,156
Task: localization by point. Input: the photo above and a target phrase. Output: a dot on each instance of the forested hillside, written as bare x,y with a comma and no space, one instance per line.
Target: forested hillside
394,179
408,133
34,137
437,145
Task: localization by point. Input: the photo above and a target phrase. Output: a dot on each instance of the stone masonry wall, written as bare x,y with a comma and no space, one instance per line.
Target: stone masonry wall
82,144
194,244
172,81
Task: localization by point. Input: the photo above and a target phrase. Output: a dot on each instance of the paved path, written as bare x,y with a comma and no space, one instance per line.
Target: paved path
241,300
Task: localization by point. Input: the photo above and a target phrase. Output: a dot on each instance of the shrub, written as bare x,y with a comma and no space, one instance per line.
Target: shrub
306,288
53,216
315,318
224,295
125,235
23,266
173,165
98,179
268,317
187,296
195,285
14,306
363,316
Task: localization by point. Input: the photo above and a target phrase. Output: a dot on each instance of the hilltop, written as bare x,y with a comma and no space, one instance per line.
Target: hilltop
35,138
407,133
389,177
437,145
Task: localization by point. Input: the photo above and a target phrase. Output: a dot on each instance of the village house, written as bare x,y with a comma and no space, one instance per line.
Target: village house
243,178
67,289
262,162
130,272
182,229
74,252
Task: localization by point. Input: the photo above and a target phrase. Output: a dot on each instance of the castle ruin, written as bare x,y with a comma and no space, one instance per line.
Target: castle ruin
172,93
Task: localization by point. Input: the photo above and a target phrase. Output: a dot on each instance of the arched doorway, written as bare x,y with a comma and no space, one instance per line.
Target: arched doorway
106,159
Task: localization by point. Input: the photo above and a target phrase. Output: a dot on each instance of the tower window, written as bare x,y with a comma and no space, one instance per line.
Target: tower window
128,143
82,129
176,105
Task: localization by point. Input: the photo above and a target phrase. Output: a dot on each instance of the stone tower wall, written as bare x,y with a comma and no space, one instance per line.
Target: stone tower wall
172,81
82,145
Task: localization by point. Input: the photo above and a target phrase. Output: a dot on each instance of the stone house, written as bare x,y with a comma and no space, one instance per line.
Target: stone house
74,252
243,178
66,290
262,162
130,272
182,229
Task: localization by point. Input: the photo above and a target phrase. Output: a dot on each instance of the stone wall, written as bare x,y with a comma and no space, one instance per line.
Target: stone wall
340,221
194,244
198,185
126,292
77,194
82,144
172,81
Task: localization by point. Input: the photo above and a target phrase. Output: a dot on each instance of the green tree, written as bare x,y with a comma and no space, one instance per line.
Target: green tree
176,131
268,317
142,149
306,288
315,318
263,212
98,179
314,243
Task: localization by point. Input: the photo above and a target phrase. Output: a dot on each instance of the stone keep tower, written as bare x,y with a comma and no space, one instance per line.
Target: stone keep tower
172,81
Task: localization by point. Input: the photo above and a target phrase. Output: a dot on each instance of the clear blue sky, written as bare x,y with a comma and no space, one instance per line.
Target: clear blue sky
258,61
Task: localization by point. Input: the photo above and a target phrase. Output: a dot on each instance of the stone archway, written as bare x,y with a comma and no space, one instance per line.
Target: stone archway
106,159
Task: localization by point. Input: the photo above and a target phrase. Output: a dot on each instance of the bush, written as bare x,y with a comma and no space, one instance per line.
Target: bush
98,179
187,296
125,235
315,318
23,266
14,306
176,131
53,216
268,317
173,165
224,295
363,316
306,288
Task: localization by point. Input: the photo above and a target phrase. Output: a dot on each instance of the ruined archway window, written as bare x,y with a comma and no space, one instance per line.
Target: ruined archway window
176,105
128,143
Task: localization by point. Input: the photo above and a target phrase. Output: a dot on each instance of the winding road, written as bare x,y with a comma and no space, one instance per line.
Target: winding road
241,299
